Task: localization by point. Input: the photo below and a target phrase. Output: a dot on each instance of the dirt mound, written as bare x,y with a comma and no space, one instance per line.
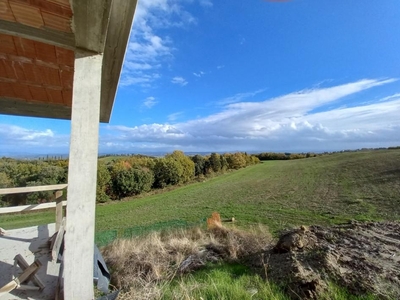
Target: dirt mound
364,257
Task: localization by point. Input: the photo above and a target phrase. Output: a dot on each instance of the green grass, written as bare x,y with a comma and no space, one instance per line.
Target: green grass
224,282
323,190
237,282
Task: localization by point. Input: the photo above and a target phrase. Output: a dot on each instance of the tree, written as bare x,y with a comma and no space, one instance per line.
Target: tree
199,164
224,163
4,182
103,183
132,181
215,162
167,171
236,160
186,170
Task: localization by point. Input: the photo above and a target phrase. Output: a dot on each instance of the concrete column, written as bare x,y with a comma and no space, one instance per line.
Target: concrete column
82,178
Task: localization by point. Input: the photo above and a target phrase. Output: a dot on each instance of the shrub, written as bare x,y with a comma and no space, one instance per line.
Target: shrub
199,165
132,181
167,171
103,183
186,169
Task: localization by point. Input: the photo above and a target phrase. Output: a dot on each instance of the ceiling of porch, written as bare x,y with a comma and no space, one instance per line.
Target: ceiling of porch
38,40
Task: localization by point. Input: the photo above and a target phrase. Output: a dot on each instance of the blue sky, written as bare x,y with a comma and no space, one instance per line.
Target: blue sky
208,75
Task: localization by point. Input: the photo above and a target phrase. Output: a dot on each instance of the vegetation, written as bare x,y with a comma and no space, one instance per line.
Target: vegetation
117,177
218,263
326,189
322,190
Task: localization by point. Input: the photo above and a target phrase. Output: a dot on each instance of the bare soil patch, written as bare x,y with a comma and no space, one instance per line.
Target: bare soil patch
363,257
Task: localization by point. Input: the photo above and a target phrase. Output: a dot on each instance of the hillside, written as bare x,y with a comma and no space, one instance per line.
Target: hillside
322,190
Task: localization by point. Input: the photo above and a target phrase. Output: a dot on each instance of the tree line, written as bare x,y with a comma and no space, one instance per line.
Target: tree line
119,177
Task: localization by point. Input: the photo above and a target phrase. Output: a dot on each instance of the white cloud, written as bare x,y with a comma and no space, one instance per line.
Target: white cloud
239,97
285,123
149,102
16,139
301,121
174,116
395,96
179,80
206,3
148,49
199,74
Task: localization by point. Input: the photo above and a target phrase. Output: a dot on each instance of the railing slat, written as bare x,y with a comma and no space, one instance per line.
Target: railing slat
22,208
31,189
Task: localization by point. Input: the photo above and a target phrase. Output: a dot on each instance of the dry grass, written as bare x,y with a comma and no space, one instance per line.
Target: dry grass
142,265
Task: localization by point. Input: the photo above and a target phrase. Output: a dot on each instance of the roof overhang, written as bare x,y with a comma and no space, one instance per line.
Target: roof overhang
38,42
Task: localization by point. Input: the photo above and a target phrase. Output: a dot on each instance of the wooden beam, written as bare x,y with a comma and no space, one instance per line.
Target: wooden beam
82,174
32,189
90,22
55,249
118,33
24,265
59,209
24,208
28,272
18,107
44,35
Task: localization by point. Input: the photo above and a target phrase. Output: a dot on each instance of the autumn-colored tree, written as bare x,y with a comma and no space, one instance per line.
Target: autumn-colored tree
103,183
186,171
215,162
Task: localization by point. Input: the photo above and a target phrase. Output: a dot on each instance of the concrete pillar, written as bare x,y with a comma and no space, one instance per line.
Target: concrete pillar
82,178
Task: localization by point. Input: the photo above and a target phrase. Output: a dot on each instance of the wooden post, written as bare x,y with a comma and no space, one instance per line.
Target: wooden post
59,209
82,178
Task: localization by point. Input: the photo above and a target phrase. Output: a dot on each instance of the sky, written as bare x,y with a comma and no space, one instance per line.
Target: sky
257,76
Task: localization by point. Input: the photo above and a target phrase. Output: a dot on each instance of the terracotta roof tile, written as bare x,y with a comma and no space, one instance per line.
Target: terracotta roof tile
21,91
62,2
38,93
31,73
10,73
65,57
67,78
25,47
19,71
67,97
53,7
55,96
6,90
5,11
56,22
7,44
48,76
45,52
26,14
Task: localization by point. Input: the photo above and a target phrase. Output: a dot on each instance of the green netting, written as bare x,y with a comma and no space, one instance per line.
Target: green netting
141,230
104,238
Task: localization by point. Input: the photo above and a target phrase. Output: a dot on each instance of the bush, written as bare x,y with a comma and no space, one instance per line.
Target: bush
103,183
166,172
132,181
186,169
199,165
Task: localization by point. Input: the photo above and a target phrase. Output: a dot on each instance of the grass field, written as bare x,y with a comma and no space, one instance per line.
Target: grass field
321,190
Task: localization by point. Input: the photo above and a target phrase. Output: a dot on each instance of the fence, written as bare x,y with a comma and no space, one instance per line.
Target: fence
58,204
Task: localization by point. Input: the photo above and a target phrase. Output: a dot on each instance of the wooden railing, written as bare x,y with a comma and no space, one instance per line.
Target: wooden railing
58,204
